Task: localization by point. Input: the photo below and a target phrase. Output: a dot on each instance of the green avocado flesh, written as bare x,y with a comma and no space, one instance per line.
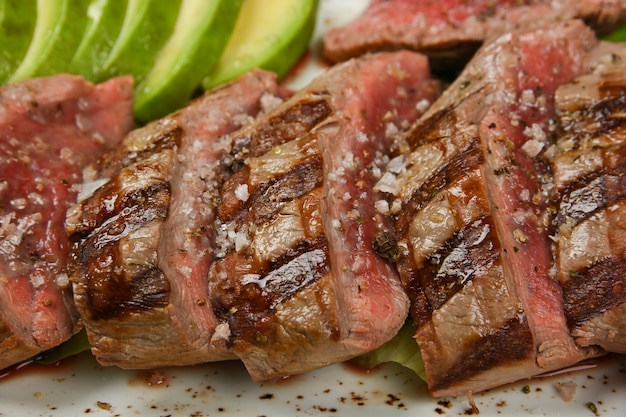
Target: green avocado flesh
104,23
147,26
199,37
272,38
17,24
58,30
173,48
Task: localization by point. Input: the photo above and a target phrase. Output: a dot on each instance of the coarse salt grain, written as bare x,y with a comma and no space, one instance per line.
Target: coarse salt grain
532,147
382,206
242,193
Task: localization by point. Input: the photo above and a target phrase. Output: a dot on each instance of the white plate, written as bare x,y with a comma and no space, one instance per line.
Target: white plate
80,387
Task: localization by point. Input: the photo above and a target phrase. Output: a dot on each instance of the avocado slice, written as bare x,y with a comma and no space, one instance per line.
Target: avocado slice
200,35
104,23
272,38
147,25
58,28
17,25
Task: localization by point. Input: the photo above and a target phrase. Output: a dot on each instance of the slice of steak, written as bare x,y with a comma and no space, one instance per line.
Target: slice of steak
475,215
298,284
143,242
451,30
50,128
589,162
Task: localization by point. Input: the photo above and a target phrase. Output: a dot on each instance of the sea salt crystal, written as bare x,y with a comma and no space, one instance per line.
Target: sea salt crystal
382,206
62,280
242,193
361,137
532,147
396,165
388,184
422,105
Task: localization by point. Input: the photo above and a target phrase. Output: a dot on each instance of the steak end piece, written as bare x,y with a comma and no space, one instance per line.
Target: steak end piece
50,129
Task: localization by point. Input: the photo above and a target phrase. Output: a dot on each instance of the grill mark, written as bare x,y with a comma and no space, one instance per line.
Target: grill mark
589,195
581,198
168,137
431,129
134,210
600,118
115,295
301,180
110,291
511,343
248,302
459,166
297,120
595,290
469,252
265,200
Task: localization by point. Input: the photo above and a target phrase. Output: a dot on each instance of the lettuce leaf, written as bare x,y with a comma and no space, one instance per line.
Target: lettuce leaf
402,349
77,344
618,35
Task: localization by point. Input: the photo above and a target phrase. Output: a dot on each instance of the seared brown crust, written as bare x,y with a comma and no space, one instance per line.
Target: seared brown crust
505,347
589,161
460,164
142,242
476,216
281,126
111,292
597,289
289,300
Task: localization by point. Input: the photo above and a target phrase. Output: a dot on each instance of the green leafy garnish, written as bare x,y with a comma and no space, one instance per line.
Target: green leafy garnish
402,349
618,35
77,344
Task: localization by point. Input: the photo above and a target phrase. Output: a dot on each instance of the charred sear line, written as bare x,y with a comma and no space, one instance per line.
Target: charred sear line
459,166
267,198
164,139
601,118
431,129
303,246
116,295
595,290
468,253
136,209
589,195
248,303
511,343
295,121
288,186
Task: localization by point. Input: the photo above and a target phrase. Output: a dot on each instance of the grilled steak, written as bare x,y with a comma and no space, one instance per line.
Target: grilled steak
298,283
142,242
477,208
50,128
450,31
589,162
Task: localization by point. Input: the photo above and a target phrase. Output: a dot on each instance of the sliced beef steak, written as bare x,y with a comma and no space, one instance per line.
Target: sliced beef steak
451,30
143,242
474,229
298,284
50,128
589,162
